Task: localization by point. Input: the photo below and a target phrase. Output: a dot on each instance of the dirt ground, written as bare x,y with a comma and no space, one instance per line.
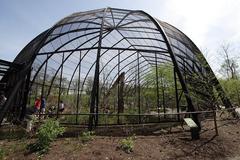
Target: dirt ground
162,144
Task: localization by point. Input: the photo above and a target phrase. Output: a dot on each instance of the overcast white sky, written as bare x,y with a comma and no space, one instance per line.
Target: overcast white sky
209,23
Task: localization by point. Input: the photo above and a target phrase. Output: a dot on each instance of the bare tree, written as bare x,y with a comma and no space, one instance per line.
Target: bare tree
229,69
229,66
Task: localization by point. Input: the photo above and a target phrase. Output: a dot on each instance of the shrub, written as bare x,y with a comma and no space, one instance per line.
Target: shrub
2,154
127,144
47,133
87,136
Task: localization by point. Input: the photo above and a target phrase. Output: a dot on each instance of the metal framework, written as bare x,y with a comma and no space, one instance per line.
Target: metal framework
81,58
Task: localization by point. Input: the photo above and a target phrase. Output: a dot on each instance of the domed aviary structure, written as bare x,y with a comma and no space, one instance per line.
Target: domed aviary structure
112,66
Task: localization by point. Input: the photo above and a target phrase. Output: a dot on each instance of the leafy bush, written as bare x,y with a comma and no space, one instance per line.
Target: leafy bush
87,136
47,133
127,144
2,154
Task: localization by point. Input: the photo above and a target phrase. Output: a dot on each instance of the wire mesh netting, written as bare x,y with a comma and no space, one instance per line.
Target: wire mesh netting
115,66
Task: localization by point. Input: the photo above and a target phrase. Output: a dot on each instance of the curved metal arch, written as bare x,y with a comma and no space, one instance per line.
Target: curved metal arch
81,21
70,40
189,68
187,57
143,76
130,43
80,14
134,21
140,80
130,90
160,58
120,61
115,57
142,85
171,62
55,26
127,14
92,64
120,69
181,79
71,31
182,64
65,61
130,68
86,77
184,36
132,79
126,71
139,27
147,38
143,38
140,68
52,29
43,63
60,68
117,65
74,39
131,30
196,50
40,67
161,49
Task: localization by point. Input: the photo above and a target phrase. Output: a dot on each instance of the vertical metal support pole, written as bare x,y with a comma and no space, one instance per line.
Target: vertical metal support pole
118,89
95,90
44,77
25,96
176,93
139,92
94,96
184,70
29,96
97,101
60,85
78,88
215,122
135,88
36,88
163,96
157,82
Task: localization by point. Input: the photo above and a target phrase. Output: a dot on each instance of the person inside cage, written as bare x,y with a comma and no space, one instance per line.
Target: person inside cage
37,105
61,106
43,105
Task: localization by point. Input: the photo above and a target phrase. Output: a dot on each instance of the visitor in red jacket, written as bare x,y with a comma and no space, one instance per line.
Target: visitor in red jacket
37,105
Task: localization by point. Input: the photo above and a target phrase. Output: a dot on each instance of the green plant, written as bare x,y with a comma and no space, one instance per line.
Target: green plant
127,144
87,136
47,133
2,154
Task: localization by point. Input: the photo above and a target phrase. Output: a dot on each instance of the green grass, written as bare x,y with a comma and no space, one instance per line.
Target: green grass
2,154
127,144
87,136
